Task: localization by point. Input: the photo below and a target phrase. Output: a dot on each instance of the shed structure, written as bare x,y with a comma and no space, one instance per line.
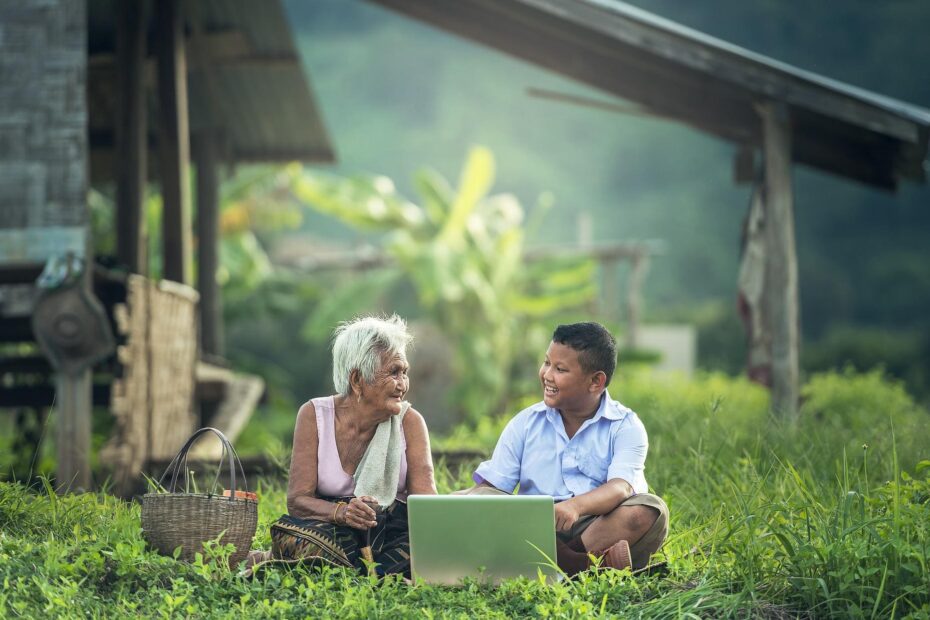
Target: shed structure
108,91
783,114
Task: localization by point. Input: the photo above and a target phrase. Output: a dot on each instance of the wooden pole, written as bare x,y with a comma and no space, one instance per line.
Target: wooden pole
74,390
781,270
634,298
610,297
131,128
173,141
208,227
73,430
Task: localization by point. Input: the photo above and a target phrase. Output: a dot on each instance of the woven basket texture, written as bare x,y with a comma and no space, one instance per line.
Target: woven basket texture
187,520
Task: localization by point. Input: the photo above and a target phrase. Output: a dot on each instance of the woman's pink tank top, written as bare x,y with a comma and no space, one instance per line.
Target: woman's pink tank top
332,479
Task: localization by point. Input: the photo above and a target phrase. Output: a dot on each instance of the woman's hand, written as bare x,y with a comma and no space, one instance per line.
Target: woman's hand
565,516
360,513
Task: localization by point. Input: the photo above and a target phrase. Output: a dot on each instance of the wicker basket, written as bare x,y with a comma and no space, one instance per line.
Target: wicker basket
187,520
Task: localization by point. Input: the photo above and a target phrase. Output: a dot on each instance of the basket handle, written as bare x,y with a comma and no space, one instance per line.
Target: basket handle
174,468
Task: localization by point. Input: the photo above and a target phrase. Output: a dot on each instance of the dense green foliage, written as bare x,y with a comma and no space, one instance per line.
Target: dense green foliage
827,519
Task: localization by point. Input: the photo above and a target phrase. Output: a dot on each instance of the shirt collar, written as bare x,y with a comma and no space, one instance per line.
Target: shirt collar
611,409
607,409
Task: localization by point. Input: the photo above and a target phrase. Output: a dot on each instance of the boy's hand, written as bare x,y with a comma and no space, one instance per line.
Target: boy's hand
565,515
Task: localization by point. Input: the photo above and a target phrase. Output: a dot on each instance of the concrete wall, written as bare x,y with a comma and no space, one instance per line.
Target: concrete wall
43,120
677,344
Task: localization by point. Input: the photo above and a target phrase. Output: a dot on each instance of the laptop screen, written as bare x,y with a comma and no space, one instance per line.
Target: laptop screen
487,537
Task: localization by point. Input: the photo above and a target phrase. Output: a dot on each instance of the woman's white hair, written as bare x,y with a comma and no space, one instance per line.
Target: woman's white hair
361,343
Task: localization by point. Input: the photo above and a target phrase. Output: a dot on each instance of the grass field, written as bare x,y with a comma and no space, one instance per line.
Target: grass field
826,518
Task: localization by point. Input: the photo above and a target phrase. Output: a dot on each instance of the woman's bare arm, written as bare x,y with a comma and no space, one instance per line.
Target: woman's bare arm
420,480
302,501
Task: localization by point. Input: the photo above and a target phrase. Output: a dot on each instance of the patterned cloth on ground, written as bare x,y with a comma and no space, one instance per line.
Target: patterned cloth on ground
311,540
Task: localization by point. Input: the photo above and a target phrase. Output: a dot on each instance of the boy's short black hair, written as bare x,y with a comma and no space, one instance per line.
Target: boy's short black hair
597,348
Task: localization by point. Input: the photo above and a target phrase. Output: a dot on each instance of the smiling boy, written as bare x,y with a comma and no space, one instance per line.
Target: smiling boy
586,451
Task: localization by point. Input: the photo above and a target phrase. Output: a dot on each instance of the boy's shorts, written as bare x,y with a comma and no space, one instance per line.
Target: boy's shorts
642,548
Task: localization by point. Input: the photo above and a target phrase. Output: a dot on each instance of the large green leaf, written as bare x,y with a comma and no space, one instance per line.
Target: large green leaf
367,203
437,195
476,180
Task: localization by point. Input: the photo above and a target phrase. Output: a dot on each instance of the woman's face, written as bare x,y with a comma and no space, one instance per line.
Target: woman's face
390,384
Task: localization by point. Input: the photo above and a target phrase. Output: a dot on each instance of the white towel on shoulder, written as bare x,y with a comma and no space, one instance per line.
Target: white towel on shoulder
377,472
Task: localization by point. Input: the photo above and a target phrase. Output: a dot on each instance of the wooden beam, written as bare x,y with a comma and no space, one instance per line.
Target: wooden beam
281,154
131,138
44,395
355,260
208,229
25,364
781,268
173,141
73,403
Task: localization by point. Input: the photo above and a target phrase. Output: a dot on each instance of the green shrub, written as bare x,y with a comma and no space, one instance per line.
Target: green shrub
902,353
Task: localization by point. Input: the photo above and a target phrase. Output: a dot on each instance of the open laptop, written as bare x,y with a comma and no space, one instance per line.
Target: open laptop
488,537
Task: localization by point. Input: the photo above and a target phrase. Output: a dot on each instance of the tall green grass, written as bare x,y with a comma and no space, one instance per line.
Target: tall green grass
828,518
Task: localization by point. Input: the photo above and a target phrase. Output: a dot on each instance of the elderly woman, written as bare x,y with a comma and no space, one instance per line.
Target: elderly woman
357,455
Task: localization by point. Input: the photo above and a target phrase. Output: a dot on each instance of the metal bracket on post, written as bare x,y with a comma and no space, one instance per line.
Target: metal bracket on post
73,331
69,323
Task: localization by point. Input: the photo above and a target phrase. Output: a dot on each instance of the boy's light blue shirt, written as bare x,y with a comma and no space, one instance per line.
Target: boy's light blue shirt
535,451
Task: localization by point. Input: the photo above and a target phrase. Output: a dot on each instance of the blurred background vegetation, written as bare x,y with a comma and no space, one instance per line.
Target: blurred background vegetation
400,97
405,103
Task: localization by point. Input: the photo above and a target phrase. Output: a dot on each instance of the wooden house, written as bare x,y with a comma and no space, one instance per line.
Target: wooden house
116,94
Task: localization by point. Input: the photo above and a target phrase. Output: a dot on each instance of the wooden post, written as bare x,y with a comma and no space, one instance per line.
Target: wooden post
74,402
131,130
634,298
781,270
72,439
173,141
211,305
610,298
585,229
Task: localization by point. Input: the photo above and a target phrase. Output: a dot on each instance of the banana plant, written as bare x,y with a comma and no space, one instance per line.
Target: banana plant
463,250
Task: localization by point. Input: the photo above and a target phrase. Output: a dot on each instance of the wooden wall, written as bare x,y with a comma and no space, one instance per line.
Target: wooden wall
43,114
153,400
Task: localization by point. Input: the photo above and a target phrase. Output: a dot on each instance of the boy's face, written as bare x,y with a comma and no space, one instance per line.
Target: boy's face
566,386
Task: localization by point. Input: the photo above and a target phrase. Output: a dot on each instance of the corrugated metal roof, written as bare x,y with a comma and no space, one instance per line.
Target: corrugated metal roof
245,81
621,9
262,100
687,76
